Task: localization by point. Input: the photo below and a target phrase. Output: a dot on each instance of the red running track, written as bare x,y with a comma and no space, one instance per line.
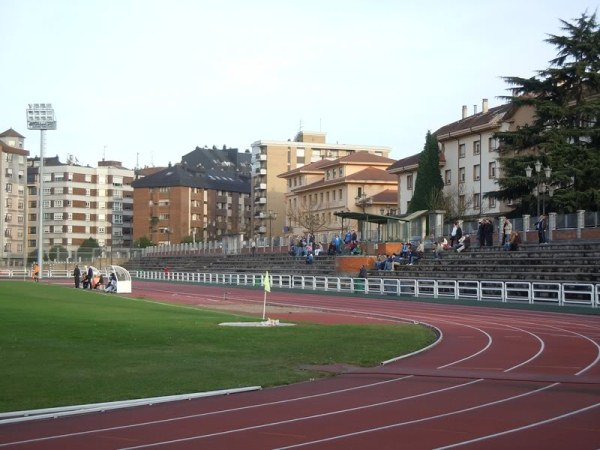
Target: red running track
497,379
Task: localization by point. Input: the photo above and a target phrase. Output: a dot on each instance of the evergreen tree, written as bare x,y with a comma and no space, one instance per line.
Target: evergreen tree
565,133
429,178
88,248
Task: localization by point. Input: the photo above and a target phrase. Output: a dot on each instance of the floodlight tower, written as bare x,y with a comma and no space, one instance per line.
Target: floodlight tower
40,116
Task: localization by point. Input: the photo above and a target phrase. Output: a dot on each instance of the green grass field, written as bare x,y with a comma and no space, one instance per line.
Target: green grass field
60,346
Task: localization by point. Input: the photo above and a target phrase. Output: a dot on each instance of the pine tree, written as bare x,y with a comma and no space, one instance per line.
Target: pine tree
565,133
429,178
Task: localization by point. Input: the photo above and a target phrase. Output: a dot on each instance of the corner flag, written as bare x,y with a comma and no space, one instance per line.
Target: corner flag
267,282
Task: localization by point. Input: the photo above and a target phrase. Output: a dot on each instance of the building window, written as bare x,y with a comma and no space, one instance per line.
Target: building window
100,230
8,187
448,177
409,182
476,201
493,144
461,202
341,171
492,170
461,151
476,147
58,203
461,174
476,172
491,202
58,216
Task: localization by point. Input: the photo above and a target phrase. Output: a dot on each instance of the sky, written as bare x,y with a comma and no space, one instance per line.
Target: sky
145,82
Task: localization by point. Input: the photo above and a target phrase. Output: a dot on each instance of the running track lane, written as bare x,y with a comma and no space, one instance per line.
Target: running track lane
498,379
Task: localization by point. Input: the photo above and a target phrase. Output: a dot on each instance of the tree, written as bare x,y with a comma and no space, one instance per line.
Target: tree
429,178
142,242
58,253
565,133
308,216
88,249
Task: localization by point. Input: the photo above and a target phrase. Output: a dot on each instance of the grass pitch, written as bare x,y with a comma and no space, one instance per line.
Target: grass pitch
61,346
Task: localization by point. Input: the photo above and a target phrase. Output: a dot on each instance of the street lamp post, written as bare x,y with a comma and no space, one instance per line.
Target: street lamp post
271,216
361,200
540,185
40,116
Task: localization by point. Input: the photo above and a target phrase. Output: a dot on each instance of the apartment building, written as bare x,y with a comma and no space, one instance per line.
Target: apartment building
13,182
80,202
468,159
354,183
272,158
204,197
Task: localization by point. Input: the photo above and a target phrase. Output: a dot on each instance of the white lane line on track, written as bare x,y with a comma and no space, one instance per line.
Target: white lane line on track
299,419
526,427
410,422
488,345
211,413
595,361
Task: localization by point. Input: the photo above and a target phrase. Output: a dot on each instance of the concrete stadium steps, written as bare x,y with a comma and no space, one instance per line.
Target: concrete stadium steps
260,263
551,262
577,261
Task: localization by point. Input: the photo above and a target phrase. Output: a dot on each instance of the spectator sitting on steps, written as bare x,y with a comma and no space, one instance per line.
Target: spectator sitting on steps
362,273
514,241
309,258
463,243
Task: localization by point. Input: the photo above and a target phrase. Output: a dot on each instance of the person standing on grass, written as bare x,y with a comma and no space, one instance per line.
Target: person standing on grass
36,272
77,276
90,275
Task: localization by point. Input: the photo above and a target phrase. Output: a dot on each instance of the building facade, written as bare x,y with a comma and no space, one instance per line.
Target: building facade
193,200
80,202
468,160
272,158
13,182
354,183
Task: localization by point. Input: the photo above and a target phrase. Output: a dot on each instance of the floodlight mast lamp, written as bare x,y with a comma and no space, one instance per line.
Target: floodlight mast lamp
40,116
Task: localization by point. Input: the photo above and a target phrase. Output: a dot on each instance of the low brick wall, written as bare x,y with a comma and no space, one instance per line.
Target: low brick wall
350,265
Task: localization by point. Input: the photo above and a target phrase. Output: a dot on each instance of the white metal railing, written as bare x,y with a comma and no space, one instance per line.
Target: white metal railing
538,292
534,293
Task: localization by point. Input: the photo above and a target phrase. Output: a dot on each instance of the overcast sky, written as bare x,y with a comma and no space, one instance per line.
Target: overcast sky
148,81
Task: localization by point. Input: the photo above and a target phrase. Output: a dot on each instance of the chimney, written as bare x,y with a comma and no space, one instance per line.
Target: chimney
484,105
474,109
464,112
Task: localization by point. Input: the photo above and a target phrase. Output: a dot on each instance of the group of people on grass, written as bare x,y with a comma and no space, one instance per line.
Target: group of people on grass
88,279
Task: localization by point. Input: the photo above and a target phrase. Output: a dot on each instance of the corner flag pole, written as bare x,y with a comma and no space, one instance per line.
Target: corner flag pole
267,285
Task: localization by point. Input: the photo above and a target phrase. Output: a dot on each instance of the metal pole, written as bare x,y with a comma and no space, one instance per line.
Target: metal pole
538,196
41,206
